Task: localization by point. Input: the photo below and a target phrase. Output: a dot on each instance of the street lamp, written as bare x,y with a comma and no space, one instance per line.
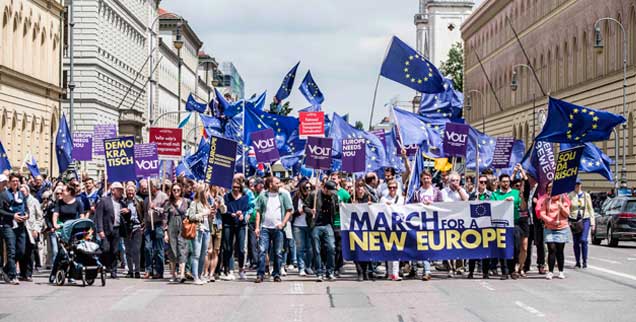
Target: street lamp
598,45
514,85
468,105
178,44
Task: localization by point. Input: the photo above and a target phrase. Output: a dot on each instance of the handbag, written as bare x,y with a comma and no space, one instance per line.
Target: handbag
188,229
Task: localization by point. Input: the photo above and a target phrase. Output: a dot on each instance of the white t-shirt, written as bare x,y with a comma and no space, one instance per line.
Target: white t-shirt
450,195
271,217
397,200
300,221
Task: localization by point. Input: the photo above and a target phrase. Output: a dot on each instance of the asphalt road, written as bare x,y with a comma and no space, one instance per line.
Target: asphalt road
606,291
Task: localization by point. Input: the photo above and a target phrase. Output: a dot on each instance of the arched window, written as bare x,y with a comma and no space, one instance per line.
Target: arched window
575,61
566,66
585,57
549,64
618,41
632,36
630,133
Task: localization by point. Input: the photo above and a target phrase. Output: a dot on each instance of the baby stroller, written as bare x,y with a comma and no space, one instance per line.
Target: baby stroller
78,254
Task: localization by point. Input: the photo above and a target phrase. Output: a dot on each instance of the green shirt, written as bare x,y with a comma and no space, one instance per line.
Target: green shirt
343,196
499,196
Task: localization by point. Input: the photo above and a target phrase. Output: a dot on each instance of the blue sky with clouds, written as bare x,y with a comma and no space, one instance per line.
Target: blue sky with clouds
341,42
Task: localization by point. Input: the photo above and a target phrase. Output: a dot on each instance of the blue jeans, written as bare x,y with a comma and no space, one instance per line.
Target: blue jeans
580,242
290,250
199,252
231,236
267,235
53,244
8,236
324,234
154,250
304,251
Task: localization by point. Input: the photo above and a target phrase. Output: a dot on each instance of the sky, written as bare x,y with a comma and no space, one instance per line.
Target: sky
341,42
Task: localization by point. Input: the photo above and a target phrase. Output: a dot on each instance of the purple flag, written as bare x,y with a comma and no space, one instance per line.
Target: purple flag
101,132
264,144
120,158
220,163
82,146
318,153
353,155
381,135
503,149
146,160
455,139
544,164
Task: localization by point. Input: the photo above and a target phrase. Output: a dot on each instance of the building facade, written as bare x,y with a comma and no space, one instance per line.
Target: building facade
232,81
110,53
558,36
438,26
30,80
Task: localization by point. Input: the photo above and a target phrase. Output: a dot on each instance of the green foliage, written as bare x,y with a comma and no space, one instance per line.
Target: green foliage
454,66
359,125
284,110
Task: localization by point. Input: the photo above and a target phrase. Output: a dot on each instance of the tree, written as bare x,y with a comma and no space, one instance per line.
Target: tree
359,125
284,109
453,67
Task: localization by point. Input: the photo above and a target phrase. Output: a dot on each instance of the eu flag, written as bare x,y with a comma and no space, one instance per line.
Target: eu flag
197,162
406,66
420,130
539,164
485,144
63,145
193,105
593,160
285,132
516,156
4,159
313,108
569,123
310,90
33,167
285,88
447,104
211,125
340,130
392,151
257,102
414,180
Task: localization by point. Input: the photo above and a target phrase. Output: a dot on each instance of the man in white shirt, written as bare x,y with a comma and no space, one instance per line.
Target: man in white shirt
454,190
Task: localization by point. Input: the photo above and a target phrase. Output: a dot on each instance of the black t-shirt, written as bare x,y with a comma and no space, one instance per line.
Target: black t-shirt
68,211
325,216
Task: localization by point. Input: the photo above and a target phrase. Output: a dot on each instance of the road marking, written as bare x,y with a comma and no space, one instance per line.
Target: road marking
609,271
487,286
136,301
529,309
599,259
297,312
631,259
297,288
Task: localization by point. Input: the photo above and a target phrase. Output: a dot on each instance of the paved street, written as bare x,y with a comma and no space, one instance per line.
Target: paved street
604,292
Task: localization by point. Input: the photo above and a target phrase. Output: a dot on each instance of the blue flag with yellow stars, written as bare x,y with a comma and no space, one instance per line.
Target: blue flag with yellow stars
286,87
447,104
63,145
406,66
211,125
4,159
193,105
340,129
486,147
593,160
257,102
310,90
313,108
415,129
569,123
32,165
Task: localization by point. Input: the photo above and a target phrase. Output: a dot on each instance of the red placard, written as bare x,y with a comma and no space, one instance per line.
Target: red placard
311,124
168,142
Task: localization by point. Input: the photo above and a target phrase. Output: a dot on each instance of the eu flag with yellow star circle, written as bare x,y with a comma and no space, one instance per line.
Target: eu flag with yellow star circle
570,123
406,66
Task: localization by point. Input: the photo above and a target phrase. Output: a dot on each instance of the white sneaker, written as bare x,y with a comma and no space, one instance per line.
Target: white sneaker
199,282
242,275
548,276
232,277
290,267
228,277
283,272
302,273
561,275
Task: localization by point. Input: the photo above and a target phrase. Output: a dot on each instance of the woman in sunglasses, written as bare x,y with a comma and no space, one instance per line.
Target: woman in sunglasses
176,207
393,198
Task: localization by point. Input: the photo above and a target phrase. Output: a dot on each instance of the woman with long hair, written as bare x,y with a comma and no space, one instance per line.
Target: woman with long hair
176,207
198,213
554,211
362,195
217,207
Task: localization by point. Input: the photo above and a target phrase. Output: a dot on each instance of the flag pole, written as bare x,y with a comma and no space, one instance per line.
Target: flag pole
317,187
375,95
150,211
244,138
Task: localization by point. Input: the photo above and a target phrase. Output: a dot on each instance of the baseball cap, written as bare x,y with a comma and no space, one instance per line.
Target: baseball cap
3,178
330,185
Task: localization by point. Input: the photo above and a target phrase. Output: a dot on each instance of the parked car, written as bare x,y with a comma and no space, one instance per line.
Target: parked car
615,221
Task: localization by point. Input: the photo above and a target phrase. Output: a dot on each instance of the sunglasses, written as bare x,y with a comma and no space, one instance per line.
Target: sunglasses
236,187
392,188
482,181
176,190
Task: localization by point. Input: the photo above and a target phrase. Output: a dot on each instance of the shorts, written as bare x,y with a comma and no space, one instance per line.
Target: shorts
216,235
524,227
